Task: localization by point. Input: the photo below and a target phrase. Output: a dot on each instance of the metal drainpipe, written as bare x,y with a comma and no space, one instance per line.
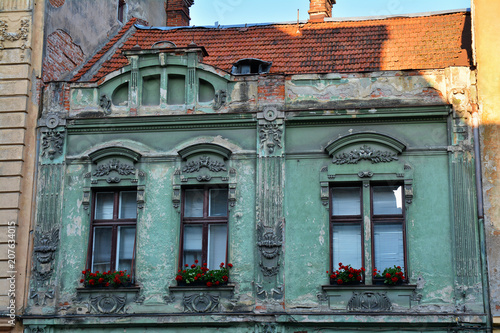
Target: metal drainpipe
480,215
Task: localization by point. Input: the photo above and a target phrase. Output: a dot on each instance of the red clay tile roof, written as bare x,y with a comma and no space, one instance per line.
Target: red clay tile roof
396,43
105,49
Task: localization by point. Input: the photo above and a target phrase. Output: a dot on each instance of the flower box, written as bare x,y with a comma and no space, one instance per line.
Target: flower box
346,275
109,279
199,275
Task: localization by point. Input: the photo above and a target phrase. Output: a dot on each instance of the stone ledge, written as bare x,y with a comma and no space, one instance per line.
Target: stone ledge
369,298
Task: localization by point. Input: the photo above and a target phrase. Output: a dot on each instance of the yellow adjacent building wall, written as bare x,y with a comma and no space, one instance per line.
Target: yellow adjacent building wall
21,39
486,30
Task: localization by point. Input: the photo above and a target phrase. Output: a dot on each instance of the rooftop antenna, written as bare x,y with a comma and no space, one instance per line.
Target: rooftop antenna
298,30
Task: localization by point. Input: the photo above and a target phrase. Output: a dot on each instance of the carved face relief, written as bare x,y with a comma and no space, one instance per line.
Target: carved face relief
46,246
270,136
52,144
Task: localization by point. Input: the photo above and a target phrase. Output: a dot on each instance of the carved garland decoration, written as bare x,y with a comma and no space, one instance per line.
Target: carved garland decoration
114,165
204,162
108,303
369,301
14,36
365,153
202,302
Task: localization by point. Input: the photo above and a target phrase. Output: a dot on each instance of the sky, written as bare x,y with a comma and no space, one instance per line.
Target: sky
227,12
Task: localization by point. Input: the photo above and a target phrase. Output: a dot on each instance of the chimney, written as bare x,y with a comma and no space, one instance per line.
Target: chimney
319,9
178,12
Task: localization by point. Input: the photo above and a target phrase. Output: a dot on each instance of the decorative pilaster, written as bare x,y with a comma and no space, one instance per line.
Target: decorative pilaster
46,240
134,85
270,218
49,205
465,232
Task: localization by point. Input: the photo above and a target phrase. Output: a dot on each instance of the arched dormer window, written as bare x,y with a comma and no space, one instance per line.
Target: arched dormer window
250,66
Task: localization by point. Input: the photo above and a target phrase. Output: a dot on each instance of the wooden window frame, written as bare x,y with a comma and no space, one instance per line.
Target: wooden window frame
205,221
114,223
374,220
346,219
388,219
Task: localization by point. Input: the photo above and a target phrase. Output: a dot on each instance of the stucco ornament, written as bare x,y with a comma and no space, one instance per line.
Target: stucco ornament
44,254
365,153
52,143
107,303
369,301
269,241
45,248
105,104
114,165
22,34
270,136
204,162
202,302
219,99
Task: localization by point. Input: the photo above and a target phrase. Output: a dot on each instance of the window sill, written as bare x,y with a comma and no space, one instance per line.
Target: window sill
105,300
202,299
108,289
369,298
369,287
227,287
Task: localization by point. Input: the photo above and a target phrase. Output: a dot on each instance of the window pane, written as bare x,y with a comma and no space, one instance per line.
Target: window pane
387,200
128,205
388,244
193,206
218,202
101,253
125,250
346,242
104,205
217,239
346,201
193,235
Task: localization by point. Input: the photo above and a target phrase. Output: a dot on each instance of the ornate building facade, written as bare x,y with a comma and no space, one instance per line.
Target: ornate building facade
281,152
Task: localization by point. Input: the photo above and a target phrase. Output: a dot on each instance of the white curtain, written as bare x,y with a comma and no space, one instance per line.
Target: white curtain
193,236
389,251
217,239
346,201
128,205
193,205
101,259
104,205
346,242
125,249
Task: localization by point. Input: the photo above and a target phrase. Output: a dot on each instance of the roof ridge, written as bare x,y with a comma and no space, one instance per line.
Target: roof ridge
126,27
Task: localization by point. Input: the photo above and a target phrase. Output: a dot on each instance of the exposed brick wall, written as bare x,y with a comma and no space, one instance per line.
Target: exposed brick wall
61,56
57,3
319,9
271,89
178,12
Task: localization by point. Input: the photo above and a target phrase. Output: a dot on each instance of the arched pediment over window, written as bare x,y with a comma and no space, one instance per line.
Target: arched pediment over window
364,139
